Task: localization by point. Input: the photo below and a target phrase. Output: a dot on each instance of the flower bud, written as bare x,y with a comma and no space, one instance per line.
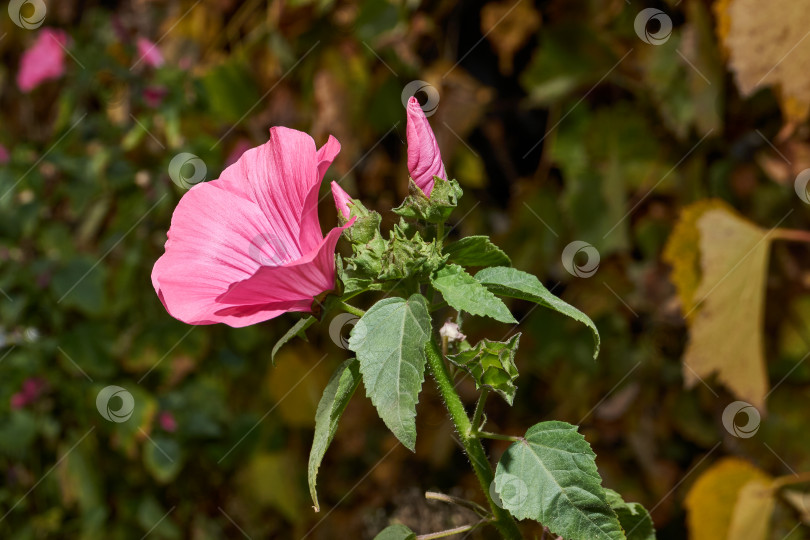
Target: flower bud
424,158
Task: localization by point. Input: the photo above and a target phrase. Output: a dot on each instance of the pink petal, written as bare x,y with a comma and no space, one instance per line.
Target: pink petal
424,158
149,53
291,286
4,155
247,247
44,60
342,200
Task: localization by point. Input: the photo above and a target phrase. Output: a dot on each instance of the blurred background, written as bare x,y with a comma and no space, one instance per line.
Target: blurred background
563,121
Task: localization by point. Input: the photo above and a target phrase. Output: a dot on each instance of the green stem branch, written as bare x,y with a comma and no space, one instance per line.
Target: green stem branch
351,309
503,520
449,532
479,409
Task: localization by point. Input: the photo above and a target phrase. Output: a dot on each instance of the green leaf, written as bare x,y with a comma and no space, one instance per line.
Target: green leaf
163,458
517,284
396,532
566,492
339,390
477,251
389,340
297,330
491,364
464,293
634,518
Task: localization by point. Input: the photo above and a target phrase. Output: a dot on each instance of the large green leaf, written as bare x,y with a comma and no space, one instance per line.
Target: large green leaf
396,532
634,518
339,390
551,477
297,330
477,251
517,284
389,340
464,293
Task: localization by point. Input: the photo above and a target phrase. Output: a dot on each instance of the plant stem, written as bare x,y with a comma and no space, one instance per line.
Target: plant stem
449,532
472,446
474,506
351,309
497,436
783,481
791,234
479,409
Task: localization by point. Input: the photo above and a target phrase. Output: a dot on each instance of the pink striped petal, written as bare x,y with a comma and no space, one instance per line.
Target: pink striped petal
342,200
247,247
424,158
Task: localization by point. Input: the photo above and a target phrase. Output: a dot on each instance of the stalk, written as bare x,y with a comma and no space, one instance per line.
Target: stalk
503,520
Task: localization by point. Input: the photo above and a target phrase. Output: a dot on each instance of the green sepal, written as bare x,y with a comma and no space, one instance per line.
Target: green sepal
365,227
409,256
492,365
434,209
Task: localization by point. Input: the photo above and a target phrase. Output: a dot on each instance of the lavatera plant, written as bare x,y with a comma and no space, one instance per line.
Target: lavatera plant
253,244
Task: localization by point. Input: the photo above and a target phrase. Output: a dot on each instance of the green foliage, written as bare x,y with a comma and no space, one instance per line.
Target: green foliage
435,209
551,477
476,251
634,518
464,293
514,283
389,340
336,396
492,365
396,532
297,330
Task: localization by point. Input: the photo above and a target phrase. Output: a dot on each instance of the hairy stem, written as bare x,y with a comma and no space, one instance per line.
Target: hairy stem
479,409
503,520
351,309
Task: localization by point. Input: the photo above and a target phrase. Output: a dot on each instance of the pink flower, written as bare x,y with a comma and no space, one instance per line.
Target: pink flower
44,60
153,95
4,155
167,421
30,391
18,401
149,53
342,200
424,158
248,247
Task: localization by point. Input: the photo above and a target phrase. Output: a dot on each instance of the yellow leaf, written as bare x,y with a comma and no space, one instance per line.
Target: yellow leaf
711,502
273,479
682,252
751,518
765,49
725,335
296,383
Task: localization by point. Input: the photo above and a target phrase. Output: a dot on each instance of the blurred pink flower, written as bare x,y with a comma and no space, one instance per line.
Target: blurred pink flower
18,401
342,200
153,95
167,422
248,247
242,145
4,155
44,60
149,53
424,158
30,391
